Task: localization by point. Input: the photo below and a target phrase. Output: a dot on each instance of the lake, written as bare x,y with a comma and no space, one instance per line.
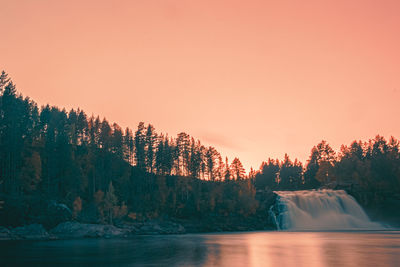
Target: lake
226,249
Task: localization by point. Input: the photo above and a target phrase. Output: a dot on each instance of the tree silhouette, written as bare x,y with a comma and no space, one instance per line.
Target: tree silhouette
238,170
48,154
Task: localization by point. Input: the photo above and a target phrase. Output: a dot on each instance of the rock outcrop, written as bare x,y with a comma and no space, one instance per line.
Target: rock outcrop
70,230
32,231
158,227
73,230
56,213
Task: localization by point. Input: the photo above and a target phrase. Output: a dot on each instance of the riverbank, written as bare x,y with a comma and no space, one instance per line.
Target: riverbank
260,220
76,230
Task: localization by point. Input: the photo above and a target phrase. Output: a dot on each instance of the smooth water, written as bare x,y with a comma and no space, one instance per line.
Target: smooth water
321,210
231,249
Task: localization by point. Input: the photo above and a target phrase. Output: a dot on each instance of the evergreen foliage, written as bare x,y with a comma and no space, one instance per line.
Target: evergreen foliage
105,174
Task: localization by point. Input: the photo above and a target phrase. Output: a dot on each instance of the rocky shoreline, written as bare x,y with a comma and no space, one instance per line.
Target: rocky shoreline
62,227
58,224
76,230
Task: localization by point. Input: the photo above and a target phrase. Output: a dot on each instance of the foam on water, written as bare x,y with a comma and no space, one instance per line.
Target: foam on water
320,210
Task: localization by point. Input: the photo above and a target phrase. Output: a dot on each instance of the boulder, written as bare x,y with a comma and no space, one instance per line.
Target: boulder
56,214
32,231
153,228
80,230
164,227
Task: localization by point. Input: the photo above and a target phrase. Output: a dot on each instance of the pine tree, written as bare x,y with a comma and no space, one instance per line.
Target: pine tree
210,157
128,146
183,152
238,170
140,154
82,128
228,173
220,168
4,80
117,142
159,156
150,144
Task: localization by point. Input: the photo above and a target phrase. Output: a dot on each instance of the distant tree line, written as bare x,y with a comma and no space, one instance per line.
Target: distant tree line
372,165
104,173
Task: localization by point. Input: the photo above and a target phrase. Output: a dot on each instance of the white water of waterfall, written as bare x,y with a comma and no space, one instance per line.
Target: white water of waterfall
320,210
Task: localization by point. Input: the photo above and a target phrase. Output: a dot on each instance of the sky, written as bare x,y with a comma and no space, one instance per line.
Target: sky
255,79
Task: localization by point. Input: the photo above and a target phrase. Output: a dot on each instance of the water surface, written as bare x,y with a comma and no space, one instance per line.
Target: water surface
228,249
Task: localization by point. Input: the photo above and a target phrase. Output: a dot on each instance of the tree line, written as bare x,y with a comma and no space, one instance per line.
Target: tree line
373,165
104,173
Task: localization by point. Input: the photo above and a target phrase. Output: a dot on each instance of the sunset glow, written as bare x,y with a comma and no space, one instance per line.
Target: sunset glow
255,79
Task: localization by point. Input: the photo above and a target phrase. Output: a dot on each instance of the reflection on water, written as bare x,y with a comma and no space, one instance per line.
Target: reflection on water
234,249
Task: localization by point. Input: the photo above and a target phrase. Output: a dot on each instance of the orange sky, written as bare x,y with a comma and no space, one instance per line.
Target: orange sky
255,79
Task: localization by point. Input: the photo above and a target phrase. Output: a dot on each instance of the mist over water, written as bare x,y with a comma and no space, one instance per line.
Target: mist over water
321,210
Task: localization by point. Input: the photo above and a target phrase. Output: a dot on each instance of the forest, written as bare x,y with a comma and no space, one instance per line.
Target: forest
105,174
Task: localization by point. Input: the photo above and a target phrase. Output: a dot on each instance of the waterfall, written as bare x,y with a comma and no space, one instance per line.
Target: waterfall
319,210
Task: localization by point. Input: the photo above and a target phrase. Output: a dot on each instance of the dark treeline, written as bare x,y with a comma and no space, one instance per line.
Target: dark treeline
104,173
369,171
372,165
